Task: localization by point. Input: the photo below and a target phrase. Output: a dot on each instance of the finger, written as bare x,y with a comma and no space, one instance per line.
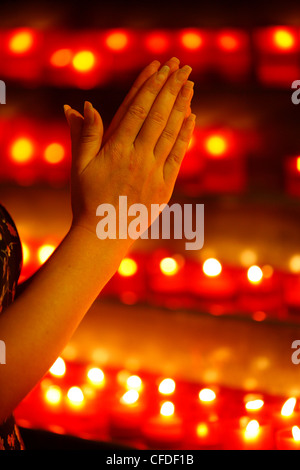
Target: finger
178,114
159,114
174,160
146,73
138,110
86,135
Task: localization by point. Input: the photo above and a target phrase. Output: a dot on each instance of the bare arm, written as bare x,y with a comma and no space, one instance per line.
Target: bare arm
140,159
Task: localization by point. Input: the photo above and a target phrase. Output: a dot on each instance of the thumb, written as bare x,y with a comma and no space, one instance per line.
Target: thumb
86,135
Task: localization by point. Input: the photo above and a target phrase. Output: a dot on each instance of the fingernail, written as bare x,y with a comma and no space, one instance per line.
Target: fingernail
183,73
175,59
187,89
66,107
163,73
192,117
88,105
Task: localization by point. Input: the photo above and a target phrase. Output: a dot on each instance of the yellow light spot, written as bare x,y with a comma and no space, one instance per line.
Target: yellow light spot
298,163
75,396
207,395
296,433
53,395
294,264
248,257
58,368
128,267
61,58
130,397
26,253
44,252
167,387
288,407
54,153
252,429
134,382
117,41
22,150
284,39
21,42
202,430
167,409
228,42
254,274
96,376
254,405
212,267
192,40
84,61
216,145
168,266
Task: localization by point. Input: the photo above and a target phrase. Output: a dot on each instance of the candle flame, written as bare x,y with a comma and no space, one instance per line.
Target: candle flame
202,430
130,397
134,382
207,395
254,405
167,386
296,433
288,407
167,408
58,368
298,163
252,429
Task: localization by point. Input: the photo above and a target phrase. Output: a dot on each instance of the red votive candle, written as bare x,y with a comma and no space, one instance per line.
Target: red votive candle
288,439
247,434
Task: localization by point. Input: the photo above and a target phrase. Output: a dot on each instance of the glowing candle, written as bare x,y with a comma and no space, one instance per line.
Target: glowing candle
248,435
126,415
165,429
288,439
207,433
287,416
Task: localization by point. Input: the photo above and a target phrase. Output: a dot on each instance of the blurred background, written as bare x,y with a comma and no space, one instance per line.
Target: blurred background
222,318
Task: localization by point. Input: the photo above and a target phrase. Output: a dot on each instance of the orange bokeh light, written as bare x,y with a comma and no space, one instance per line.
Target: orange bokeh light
21,42
284,39
192,40
22,150
61,58
216,145
228,42
84,61
54,153
117,41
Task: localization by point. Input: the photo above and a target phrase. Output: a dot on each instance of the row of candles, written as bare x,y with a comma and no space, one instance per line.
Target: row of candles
173,281
91,58
156,412
215,161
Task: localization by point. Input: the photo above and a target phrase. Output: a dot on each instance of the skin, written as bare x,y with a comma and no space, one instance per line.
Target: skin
138,156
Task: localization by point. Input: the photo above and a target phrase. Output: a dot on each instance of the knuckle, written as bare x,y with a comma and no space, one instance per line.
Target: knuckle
137,111
181,106
175,158
157,117
173,90
168,134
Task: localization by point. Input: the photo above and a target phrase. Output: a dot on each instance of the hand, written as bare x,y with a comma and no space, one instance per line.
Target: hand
141,153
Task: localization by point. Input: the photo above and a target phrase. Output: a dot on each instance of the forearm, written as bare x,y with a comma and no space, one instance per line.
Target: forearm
38,325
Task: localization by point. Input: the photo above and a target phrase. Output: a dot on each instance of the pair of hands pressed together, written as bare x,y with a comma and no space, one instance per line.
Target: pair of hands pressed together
139,155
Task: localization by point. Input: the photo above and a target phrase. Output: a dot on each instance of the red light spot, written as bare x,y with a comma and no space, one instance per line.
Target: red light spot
228,42
157,43
61,58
